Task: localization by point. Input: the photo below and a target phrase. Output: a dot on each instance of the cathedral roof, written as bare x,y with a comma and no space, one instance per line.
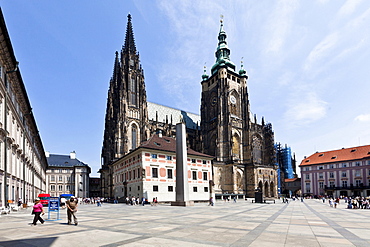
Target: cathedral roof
165,143
335,156
192,121
63,161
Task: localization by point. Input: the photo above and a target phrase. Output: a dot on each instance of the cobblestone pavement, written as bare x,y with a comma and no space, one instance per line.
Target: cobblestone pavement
308,223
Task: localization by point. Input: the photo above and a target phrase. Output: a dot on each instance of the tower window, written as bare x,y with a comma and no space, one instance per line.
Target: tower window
134,137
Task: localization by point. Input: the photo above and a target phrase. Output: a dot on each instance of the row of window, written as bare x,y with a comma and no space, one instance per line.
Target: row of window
170,174
169,157
171,189
342,165
358,182
357,173
133,174
60,178
60,187
61,170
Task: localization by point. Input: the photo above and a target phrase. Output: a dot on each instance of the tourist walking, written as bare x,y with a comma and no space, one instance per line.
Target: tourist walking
72,205
37,210
211,202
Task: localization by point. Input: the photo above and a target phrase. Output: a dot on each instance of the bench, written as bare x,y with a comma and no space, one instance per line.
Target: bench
266,200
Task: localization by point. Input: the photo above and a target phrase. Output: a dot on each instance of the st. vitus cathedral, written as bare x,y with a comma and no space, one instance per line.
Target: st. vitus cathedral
243,150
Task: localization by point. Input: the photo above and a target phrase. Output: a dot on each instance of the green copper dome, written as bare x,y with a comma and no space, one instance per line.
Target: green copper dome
222,53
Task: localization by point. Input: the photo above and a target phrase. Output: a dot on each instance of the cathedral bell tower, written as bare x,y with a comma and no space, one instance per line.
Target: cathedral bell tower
126,119
225,118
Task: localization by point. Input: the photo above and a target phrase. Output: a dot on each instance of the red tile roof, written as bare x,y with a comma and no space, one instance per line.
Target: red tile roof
291,179
335,156
167,144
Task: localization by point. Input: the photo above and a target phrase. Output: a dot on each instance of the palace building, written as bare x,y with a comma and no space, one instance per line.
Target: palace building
22,157
243,150
342,172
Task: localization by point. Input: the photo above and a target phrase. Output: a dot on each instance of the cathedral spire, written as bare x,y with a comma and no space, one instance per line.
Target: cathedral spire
222,52
129,46
116,67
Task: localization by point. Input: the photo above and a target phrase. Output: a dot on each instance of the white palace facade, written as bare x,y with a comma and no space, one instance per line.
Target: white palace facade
22,158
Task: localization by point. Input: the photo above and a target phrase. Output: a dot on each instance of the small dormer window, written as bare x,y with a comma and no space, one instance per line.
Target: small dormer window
307,161
158,144
320,155
334,157
353,150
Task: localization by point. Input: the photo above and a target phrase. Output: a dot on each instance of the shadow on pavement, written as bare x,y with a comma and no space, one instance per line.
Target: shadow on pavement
39,242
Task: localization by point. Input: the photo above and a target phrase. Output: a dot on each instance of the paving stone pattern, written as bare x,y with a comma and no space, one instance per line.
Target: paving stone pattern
308,223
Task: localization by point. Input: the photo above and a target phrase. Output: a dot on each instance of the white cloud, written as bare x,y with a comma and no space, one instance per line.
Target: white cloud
306,110
279,25
321,51
349,7
323,1
363,118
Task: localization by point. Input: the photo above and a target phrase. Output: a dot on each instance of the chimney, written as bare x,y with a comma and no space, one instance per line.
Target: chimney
72,155
47,154
160,134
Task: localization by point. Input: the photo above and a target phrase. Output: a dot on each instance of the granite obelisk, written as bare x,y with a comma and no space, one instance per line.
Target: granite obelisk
182,184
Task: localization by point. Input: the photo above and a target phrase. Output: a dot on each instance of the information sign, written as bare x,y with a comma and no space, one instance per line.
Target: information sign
54,203
53,206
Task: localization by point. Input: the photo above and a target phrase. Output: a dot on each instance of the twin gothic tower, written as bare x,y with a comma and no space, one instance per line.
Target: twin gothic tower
243,150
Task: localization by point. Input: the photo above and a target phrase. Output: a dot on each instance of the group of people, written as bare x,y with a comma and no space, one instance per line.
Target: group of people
358,202
139,201
71,205
354,202
333,202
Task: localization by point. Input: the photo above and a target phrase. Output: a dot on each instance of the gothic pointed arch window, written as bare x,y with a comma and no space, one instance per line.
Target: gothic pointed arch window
133,89
257,149
133,136
236,146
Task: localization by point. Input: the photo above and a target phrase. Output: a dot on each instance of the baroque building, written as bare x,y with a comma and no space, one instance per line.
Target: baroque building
342,172
67,175
243,150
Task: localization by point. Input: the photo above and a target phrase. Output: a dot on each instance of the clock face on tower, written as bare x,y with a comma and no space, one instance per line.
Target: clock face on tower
232,99
214,101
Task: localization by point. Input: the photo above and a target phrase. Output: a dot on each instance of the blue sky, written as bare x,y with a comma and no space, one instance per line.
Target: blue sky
307,61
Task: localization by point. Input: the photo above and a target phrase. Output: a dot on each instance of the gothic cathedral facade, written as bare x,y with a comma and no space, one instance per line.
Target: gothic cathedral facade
243,150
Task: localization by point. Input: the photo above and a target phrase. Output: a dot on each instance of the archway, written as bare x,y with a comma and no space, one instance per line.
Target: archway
266,191
272,189
260,186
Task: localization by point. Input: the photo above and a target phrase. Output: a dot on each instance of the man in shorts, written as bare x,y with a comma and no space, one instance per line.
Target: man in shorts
72,205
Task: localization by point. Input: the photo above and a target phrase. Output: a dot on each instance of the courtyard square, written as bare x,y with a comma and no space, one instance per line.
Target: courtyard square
308,223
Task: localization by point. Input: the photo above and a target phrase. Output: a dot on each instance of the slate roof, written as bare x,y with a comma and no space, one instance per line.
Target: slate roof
190,119
57,160
335,156
165,143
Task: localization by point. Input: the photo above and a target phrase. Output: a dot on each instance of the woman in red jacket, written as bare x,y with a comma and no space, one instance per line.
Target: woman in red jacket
37,211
